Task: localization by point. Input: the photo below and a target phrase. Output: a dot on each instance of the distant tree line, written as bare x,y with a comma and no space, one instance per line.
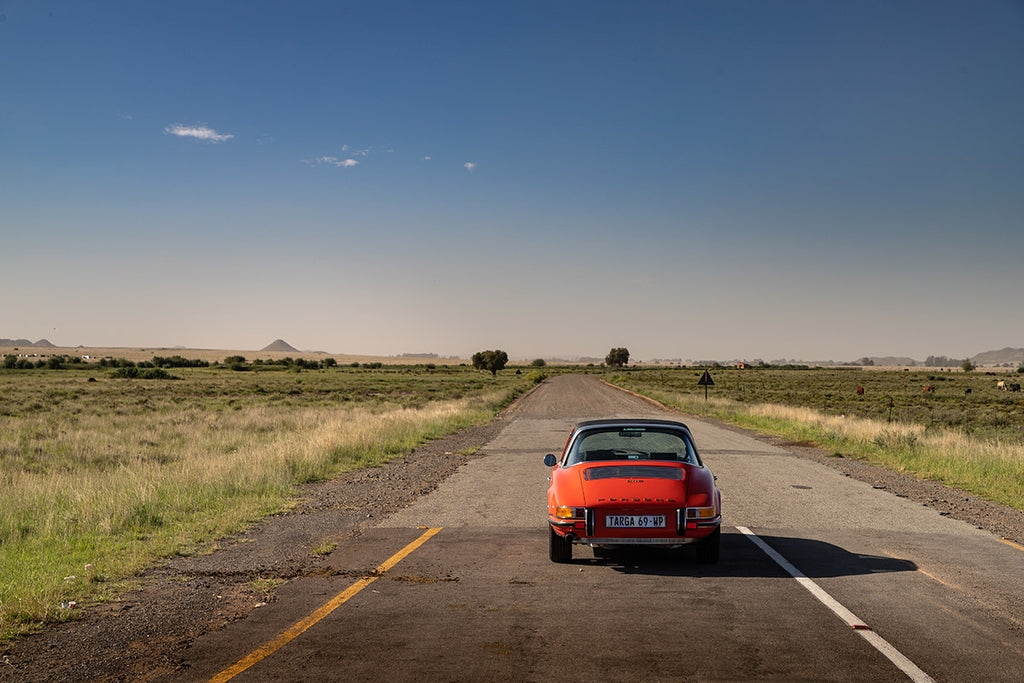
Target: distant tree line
240,363
13,362
179,362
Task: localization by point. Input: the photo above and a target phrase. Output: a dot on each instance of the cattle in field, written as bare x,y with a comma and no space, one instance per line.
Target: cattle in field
967,391
928,390
860,391
1014,387
1001,385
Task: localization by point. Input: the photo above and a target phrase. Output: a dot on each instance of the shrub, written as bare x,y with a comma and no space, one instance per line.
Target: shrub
144,373
179,362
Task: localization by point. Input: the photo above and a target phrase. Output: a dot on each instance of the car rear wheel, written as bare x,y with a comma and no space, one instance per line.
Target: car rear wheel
559,549
707,550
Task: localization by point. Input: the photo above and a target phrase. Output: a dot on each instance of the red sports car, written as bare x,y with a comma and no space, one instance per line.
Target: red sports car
632,482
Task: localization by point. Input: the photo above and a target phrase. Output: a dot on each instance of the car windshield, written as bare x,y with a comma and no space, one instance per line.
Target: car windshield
633,443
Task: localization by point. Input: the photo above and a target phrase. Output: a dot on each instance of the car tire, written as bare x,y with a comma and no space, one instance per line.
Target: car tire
708,549
559,549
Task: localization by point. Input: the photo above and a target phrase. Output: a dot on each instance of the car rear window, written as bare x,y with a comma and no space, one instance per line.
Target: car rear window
633,443
632,472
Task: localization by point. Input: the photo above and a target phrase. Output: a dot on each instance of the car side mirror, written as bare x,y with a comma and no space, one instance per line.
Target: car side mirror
550,460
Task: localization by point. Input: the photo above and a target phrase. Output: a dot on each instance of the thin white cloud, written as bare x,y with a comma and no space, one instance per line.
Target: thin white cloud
197,132
332,161
426,158
470,165
356,152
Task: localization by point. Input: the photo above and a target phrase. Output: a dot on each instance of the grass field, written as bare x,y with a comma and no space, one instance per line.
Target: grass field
100,478
970,440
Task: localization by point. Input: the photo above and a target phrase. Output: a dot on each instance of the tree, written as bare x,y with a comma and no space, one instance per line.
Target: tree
617,357
967,365
490,360
538,362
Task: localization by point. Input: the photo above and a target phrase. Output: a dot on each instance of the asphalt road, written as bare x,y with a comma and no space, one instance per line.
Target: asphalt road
931,598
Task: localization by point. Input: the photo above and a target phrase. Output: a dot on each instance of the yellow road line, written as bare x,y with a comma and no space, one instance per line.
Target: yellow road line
272,646
935,578
1010,543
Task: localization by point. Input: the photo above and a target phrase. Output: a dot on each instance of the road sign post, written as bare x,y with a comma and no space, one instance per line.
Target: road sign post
705,381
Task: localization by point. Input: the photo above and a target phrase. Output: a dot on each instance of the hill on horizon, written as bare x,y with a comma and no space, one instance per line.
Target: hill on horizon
279,345
25,342
1004,355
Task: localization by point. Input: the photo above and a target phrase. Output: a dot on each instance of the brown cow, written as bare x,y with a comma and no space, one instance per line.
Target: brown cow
860,391
928,390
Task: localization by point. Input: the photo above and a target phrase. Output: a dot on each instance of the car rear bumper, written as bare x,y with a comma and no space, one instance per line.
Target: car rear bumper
677,540
582,532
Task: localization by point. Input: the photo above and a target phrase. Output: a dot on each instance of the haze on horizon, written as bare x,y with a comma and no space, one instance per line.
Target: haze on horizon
689,180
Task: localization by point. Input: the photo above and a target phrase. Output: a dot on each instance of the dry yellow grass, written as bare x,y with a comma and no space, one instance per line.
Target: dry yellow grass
116,491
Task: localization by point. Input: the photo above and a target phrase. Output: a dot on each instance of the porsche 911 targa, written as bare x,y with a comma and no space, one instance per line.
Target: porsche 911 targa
632,482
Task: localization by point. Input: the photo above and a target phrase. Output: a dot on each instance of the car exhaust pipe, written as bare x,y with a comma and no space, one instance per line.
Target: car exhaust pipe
570,537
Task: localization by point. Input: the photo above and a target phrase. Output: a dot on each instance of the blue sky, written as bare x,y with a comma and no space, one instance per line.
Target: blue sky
693,180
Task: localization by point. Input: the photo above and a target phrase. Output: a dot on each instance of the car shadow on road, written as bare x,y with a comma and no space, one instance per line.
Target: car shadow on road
740,558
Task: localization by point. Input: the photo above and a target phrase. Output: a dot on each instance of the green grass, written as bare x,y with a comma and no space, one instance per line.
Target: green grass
971,441
117,473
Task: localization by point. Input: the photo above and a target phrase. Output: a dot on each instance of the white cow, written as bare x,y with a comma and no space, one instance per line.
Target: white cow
1001,384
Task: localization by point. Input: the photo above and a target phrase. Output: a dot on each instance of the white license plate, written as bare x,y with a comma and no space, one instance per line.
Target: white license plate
634,521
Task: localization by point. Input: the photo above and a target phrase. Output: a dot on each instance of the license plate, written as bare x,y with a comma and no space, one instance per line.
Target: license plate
634,521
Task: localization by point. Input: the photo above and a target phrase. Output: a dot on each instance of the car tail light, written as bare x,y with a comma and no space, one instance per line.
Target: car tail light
566,512
690,518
